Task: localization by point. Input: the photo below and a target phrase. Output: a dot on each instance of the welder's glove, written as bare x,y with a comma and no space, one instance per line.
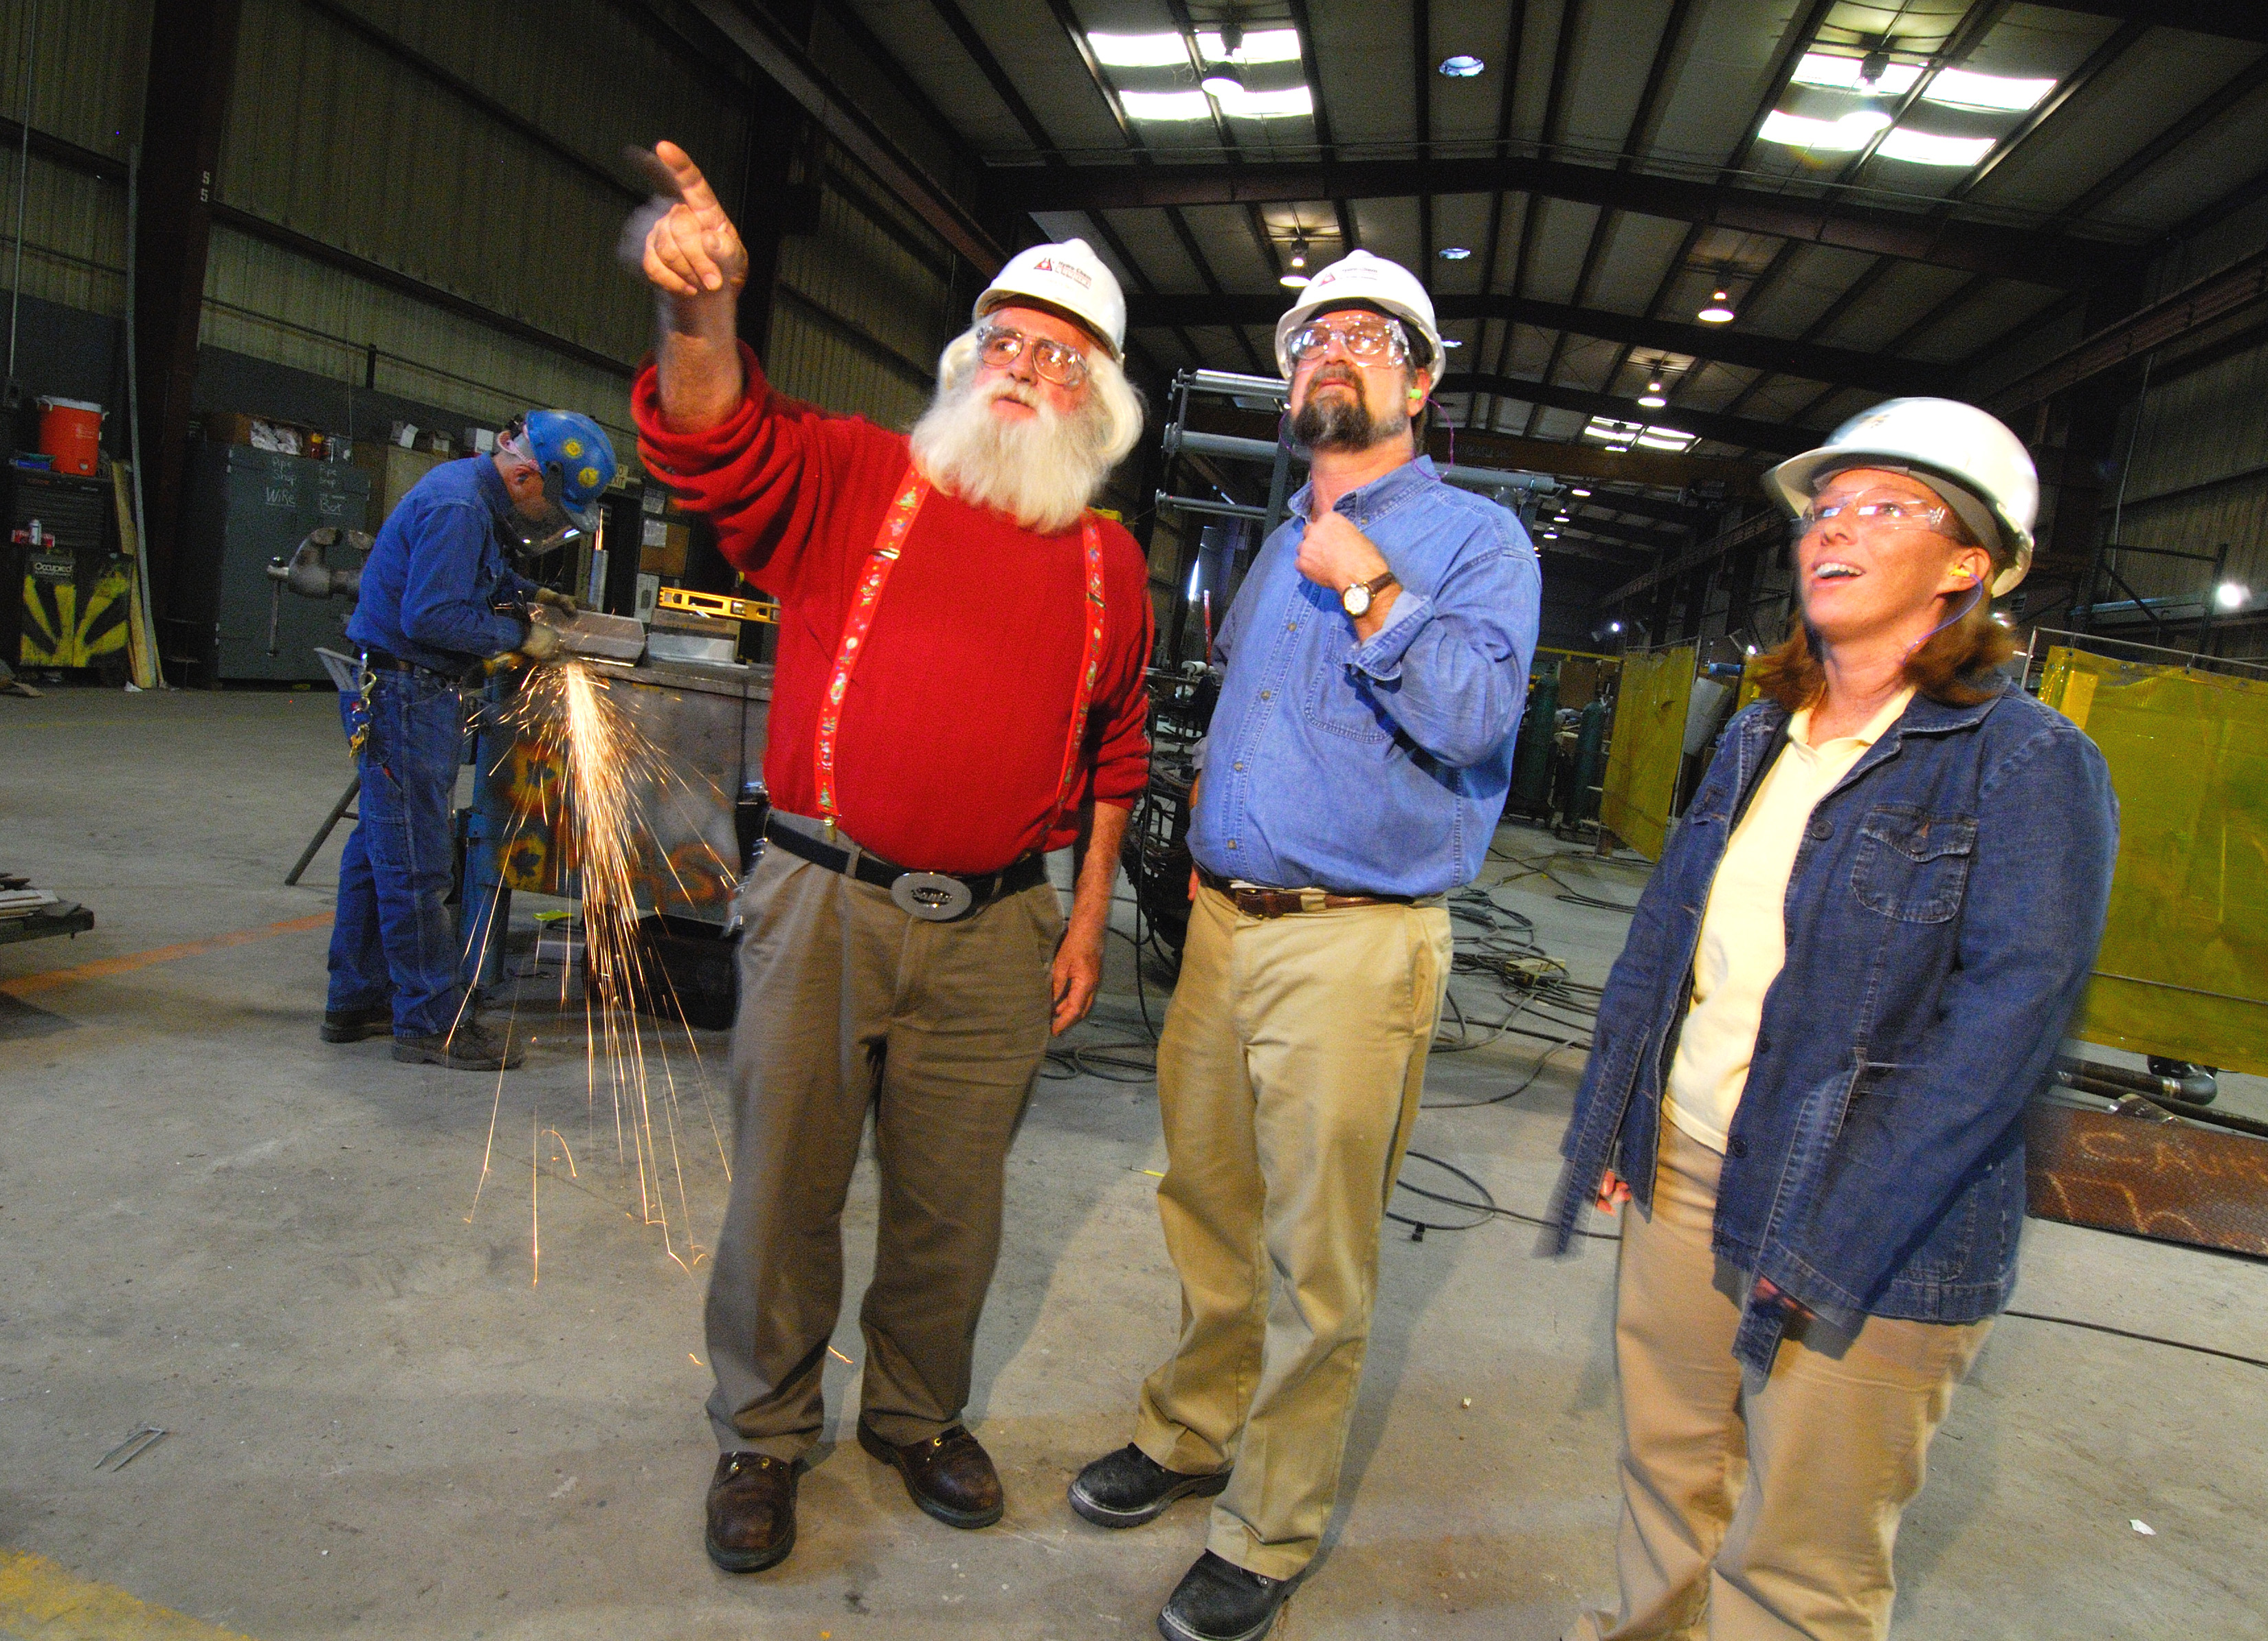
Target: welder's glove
541,643
564,602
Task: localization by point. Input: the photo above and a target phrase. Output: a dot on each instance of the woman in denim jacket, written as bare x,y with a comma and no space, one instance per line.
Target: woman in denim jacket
1851,970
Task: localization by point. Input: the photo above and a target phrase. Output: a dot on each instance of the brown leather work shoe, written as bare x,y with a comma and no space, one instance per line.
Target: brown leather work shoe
950,1476
751,1511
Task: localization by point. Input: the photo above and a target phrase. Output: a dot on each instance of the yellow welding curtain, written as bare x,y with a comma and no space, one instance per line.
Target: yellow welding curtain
1648,746
2184,970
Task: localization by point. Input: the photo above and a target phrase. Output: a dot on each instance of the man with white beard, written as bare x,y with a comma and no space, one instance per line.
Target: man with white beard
959,689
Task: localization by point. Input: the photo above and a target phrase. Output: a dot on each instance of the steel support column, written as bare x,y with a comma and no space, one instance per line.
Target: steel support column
193,54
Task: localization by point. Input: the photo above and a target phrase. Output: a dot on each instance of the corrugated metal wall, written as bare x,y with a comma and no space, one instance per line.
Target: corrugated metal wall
862,308
81,77
2199,478
336,137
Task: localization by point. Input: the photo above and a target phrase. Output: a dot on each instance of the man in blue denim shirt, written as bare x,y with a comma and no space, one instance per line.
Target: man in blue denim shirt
1377,663
433,602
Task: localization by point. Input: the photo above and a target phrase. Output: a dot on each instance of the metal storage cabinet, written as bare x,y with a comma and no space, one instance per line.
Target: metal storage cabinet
246,508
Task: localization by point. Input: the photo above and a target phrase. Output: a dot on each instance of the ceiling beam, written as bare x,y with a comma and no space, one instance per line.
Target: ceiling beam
1844,366
2184,313
790,67
2060,261
2231,19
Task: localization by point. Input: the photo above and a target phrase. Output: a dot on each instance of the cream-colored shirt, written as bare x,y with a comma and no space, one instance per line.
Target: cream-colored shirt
1743,937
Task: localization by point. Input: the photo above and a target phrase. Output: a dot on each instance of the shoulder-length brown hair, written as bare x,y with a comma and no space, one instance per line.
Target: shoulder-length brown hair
1946,669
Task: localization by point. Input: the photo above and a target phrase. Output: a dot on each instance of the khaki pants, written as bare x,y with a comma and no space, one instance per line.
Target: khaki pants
1765,1518
1288,1077
848,1004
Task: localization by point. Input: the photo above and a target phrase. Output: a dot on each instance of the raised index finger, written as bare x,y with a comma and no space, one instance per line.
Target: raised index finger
692,187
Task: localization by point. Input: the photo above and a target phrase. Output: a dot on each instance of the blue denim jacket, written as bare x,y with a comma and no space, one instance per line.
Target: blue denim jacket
1942,919
1374,767
437,568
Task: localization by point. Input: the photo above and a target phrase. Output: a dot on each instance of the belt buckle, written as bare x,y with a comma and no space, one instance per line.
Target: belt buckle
932,897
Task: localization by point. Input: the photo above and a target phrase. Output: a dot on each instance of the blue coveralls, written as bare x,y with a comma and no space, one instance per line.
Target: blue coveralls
428,590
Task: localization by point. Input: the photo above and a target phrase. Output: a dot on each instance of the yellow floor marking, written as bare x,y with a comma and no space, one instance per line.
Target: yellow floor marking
40,1600
102,968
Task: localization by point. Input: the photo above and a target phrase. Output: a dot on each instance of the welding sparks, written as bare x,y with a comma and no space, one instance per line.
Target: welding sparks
604,813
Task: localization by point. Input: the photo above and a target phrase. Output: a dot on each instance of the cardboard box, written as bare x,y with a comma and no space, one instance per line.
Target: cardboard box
392,471
668,559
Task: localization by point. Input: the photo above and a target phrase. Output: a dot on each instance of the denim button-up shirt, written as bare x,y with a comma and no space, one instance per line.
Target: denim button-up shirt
1941,921
438,570
1376,768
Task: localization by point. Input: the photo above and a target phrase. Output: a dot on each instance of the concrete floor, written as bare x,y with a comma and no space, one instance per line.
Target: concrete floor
381,1425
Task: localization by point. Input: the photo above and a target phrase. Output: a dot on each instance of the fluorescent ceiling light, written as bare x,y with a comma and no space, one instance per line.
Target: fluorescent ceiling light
1578,491
1846,135
1923,149
1455,253
1451,342
1461,67
1261,45
1960,88
1144,51
1664,438
1842,74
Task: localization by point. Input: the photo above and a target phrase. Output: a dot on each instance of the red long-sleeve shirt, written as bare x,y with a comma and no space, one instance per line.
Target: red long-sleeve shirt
952,735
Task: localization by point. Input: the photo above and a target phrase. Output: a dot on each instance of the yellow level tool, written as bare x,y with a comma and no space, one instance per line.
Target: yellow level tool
720,606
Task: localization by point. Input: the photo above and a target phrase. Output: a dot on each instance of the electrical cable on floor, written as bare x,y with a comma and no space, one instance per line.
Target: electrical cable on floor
1486,1207
2148,1339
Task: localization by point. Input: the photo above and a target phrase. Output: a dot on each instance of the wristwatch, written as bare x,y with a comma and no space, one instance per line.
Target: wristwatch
1357,600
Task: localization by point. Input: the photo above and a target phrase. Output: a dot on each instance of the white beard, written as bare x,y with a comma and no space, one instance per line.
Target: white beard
1041,472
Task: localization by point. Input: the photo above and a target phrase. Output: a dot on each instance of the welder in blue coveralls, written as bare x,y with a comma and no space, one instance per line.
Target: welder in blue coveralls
439,597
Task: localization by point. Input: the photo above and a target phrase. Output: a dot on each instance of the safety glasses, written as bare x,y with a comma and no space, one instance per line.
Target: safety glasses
1366,342
999,347
1882,512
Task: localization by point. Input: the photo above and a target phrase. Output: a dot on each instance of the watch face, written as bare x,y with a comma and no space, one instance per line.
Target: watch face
1355,599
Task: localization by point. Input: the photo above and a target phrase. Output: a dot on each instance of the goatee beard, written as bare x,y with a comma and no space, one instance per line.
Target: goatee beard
1343,423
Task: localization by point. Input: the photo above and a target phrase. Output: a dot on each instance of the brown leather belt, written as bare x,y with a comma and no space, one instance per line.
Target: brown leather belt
1284,902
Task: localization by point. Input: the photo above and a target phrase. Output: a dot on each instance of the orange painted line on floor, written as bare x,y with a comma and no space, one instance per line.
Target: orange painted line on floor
103,968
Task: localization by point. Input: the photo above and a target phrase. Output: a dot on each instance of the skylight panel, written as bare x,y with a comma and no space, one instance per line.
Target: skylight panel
1923,149
1960,88
1267,105
1142,51
1173,105
1262,44
1664,438
1842,74
1846,135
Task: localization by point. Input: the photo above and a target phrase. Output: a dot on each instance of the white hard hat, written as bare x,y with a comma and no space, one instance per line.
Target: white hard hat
1070,276
1964,455
1356,278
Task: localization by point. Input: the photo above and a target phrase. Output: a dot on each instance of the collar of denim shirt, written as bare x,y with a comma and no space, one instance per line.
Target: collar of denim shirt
1382,495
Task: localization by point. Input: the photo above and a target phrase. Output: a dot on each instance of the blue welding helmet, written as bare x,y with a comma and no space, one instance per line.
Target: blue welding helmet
577,457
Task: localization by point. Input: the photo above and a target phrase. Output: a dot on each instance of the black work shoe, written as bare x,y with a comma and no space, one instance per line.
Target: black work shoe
1128,1488
1218,1601
950,1476
472,1047
352,1025
751,1512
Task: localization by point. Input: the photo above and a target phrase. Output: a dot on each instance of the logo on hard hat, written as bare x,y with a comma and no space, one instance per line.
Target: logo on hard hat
1076,274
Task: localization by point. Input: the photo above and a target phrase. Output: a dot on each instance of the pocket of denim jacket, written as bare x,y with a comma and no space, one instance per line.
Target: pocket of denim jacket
1910,866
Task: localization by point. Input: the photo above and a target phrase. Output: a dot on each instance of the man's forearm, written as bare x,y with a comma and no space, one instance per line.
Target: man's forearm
1098,870
697,357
